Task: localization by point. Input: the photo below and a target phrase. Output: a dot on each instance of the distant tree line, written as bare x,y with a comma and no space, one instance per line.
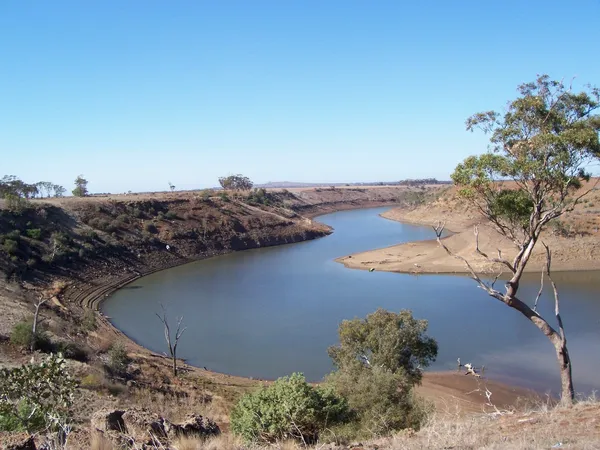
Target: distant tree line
10,185
421,181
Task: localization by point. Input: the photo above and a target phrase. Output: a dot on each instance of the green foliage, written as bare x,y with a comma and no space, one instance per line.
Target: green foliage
10,246
80,187
88,323
288,409
395,342
543,143
118,361
260,197
15,422
171,215
206,194
22,336
382,402
15,203
236,182
71,350
512,206
46,388
34,233
223,196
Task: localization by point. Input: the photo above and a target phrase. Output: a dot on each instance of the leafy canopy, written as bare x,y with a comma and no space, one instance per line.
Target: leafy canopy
542,144
395,342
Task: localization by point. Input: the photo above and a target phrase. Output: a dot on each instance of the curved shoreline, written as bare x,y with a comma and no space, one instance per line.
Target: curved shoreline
441,387
428,258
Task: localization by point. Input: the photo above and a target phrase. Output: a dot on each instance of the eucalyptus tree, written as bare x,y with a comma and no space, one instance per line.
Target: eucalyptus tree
541,148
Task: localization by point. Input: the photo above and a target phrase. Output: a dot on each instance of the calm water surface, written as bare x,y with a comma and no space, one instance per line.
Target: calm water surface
268,312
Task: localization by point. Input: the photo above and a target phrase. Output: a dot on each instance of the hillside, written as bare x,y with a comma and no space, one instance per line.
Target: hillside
75,251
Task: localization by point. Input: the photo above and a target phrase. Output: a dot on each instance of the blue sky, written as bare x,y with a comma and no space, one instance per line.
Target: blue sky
134,93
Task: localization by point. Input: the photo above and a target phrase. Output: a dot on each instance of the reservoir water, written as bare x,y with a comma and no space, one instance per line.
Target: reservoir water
269,312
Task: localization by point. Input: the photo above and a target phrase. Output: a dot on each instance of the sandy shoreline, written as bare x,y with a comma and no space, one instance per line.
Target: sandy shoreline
427,257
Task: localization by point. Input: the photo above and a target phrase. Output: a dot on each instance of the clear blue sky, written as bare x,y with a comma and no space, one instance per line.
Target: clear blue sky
136,93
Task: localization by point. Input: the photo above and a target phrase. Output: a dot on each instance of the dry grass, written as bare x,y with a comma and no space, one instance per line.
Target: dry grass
222,442
541,428
175,408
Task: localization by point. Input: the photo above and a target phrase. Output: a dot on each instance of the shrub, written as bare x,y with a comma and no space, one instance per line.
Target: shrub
15,235
71,350
22,336
89,235
10,246
206,194
34,397
171,215
382,402
114,226
223,196
34,233
16,204
123,218
137,213
118,360
150,228
88,323
289,408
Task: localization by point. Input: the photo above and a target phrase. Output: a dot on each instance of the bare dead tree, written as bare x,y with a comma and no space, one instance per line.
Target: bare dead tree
172,345
36,319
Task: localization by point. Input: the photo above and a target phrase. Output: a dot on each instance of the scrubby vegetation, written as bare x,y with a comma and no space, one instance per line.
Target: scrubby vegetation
290,408
378,362
36,397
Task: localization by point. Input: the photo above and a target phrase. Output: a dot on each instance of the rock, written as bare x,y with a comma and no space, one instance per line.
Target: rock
27,443
196,425
144,427
109,420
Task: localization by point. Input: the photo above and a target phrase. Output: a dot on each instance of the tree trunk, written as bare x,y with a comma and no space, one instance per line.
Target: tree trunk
175,364
34,327
566,377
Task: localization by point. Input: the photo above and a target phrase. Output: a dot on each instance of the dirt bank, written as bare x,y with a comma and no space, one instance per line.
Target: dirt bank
574,240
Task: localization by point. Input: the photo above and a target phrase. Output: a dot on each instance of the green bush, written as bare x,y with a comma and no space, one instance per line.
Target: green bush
15,235
10,246
88,323
171,215
118,360
22,336
34,233
36,397
123,218
382,402
14,421
223,196
71,350
288,409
